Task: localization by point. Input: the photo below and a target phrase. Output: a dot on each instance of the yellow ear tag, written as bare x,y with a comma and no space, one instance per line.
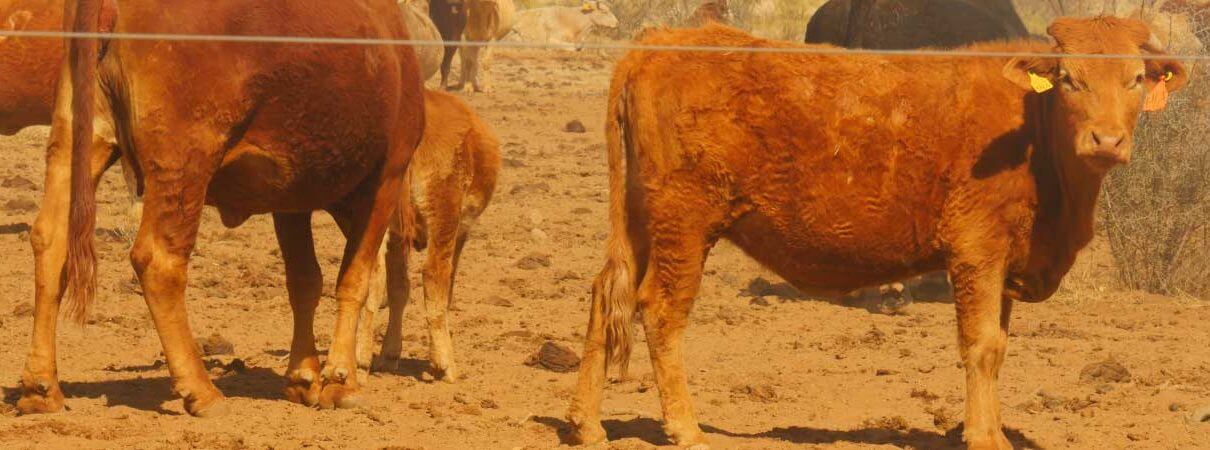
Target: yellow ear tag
1040,84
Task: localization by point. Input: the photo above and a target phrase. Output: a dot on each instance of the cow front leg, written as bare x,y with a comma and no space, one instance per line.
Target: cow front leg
363,218
304,284
983,315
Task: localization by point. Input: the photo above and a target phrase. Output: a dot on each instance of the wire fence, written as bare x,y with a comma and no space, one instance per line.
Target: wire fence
619,46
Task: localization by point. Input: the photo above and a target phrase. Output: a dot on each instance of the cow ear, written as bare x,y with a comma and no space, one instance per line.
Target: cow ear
18,20
1031,73
1170,71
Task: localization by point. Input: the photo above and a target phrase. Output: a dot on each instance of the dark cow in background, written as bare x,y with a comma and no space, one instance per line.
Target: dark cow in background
907,24
450,18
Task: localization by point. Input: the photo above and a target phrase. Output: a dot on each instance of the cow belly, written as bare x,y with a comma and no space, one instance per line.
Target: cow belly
832,256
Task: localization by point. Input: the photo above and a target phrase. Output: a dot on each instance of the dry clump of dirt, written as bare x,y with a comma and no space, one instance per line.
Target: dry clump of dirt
555,358
1108,371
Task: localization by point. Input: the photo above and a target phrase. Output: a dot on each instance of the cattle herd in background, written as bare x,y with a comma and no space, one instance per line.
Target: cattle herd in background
902,182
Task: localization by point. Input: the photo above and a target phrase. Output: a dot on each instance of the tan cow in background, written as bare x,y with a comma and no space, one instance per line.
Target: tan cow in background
486,21
452,178
422,28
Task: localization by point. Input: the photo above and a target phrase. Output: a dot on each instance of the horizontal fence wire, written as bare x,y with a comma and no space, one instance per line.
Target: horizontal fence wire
809,50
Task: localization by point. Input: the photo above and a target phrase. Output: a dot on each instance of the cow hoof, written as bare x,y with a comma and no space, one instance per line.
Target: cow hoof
339,395
302,387
215,407
687,436
40,397
588,433
448,374
996,442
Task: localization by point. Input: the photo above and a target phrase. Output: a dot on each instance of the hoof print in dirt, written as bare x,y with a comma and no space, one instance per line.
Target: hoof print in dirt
555,358
1108,371
19,182
215,345
758,393
20,205
575,126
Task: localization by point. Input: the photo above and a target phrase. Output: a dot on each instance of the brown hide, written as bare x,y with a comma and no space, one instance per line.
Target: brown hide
29,67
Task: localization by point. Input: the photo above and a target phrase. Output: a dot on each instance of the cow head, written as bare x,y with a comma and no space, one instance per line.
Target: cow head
1096,103
599,13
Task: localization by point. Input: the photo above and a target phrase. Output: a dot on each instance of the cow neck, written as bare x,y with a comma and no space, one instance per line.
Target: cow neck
1067,189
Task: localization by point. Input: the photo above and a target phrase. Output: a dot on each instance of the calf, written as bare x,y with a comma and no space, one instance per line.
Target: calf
452,178
843,172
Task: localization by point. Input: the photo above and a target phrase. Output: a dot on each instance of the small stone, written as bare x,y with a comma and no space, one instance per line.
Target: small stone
885,372
427,377
575,126
759,301
581,211
1104,388
513,163
1177,407
534,216
538,235
23,309
488,403
1138,436
555,358
215,345
533,261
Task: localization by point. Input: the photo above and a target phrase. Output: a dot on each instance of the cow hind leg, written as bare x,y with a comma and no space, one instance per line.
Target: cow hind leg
443,222
681,227
171,212
304,283
398,288
39,379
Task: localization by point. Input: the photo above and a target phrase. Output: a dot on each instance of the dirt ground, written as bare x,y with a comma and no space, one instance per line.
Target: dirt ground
1095,367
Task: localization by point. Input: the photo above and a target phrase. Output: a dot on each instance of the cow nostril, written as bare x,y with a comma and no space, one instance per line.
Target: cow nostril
1096,139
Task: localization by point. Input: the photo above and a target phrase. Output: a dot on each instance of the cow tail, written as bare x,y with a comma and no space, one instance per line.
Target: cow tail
81,255
613,291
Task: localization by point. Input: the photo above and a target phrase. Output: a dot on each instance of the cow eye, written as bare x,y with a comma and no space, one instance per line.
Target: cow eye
1138,81
1067,82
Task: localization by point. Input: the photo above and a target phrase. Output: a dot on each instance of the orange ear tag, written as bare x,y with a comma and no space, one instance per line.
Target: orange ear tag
1157,99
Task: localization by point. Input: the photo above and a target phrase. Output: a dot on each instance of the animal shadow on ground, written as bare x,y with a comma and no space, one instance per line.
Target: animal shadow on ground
150,394
403,367
15,228
649,430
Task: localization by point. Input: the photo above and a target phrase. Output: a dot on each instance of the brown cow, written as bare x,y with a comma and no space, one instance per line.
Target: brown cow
843,172
247,128
29,67
452,177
